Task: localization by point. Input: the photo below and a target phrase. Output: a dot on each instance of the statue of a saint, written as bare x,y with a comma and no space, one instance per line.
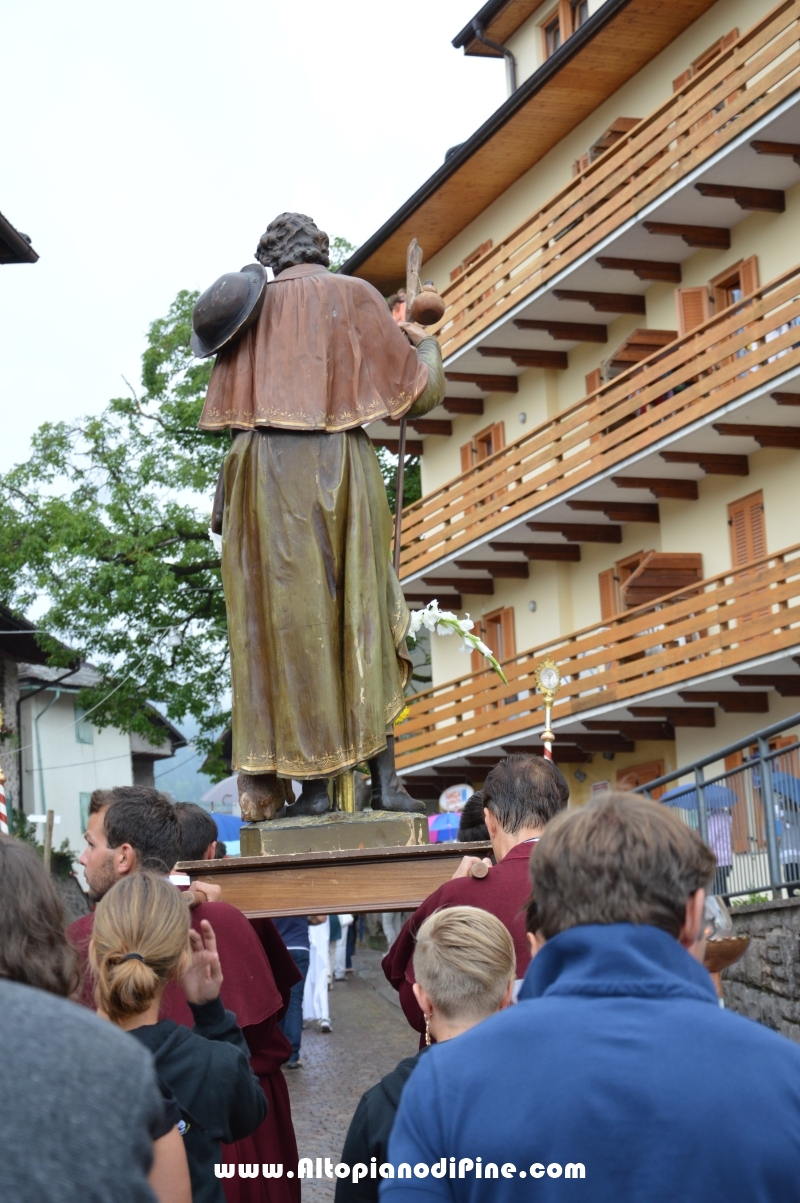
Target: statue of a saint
317,620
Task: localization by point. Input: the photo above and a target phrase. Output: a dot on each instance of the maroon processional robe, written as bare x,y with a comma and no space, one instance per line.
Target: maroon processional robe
503,892
258,974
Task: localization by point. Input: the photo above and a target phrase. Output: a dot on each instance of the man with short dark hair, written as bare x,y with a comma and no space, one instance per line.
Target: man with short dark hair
618,1065
132,828
198,832
520,796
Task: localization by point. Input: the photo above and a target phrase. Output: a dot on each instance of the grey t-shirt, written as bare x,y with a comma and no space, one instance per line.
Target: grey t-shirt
79,1104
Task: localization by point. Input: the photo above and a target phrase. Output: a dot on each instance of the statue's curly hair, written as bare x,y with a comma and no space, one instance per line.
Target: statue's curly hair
290,239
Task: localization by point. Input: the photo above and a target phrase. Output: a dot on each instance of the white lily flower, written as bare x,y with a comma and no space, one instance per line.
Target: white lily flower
415,624
466,624
216,540
444,630
483,649
465,647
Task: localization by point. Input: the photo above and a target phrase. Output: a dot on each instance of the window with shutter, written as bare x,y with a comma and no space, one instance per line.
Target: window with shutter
701,62
693,308
467,456
748,531
608,593
641,774
748,275
497,632
593,381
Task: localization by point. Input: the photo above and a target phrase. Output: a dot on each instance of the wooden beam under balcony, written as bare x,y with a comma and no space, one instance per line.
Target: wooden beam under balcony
732,701
765,436
463,405
787,685
413,446
764,200
786,398
581,532
634,731
527,358
679,716
716,238
603,302
425,425
644,269
579,332
470,585
607,742
620,511
563,753
569,553
790,150
422,597
685,490
489,384
712,464
502,570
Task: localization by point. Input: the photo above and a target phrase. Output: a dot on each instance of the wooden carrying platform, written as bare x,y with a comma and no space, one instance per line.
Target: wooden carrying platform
329,883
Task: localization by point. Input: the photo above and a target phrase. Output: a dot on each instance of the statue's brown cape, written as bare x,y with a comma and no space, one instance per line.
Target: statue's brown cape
302,365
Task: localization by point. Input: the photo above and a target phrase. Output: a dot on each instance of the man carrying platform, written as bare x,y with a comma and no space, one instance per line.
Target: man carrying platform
316,618
521,795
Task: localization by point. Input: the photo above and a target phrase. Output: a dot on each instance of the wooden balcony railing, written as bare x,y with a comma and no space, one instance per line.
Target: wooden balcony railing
727,620
741,85
744,346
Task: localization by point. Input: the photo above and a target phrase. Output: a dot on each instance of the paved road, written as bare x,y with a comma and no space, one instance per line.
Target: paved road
370,1035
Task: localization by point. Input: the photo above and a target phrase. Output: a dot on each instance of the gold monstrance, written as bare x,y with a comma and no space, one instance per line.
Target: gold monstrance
548,682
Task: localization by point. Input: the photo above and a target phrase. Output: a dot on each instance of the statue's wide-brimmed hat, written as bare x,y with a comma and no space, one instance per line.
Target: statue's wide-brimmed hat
227,309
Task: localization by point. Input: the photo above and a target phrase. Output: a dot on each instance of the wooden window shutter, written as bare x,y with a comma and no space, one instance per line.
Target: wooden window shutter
682,79
748,275
498,437
608,594
693,308
593,381
467,456
507,639
729,39
748,530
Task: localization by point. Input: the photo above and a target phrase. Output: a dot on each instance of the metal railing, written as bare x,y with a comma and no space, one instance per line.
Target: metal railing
749,814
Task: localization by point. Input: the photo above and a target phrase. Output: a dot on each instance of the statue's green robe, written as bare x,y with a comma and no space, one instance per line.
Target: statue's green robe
316,616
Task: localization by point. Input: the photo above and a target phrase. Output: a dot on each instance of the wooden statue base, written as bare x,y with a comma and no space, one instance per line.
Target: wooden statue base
334,832
330,883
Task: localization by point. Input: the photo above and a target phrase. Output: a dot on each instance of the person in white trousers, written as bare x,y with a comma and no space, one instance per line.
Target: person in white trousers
340,954
315,995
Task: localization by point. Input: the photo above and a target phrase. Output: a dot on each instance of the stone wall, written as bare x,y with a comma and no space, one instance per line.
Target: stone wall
9,758
765,983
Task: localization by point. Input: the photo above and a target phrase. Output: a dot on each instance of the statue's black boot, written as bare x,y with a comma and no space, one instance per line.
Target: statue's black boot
387,790
313,800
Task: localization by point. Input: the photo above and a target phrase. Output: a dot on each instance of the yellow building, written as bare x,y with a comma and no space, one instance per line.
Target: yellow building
610,480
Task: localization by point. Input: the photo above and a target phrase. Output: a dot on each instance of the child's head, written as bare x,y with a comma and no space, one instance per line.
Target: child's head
464,960
139,943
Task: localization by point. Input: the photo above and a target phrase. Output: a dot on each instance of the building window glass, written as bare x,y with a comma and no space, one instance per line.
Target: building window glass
84,731
84,800
580,13
552,35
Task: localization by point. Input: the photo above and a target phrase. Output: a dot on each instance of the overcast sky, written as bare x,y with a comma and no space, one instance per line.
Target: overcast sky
146,147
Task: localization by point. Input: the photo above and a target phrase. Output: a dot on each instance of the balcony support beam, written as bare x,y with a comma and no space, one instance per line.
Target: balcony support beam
786,398
526,358
716,238
463,405
731,701
581,332
619,511
787,685
635,731
413,446
604,302
583,532
643,269
765,436
472,585
489,384
764,200
506,571
789,150
711,463
568,553
678,716
685,490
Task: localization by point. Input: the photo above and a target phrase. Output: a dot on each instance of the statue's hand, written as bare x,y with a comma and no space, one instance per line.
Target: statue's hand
413,332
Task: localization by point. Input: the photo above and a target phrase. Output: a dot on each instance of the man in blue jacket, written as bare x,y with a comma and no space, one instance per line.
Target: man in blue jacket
617,1078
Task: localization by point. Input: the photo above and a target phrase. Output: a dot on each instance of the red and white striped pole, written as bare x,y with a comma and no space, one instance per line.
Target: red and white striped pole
3,811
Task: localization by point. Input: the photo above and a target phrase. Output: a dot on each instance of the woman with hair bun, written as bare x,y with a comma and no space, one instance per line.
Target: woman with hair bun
141,941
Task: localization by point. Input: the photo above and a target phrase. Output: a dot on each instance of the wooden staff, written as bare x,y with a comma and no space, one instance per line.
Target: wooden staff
413,265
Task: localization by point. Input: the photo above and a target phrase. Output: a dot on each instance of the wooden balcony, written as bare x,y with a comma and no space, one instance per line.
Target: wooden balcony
740,88
712,638
646,416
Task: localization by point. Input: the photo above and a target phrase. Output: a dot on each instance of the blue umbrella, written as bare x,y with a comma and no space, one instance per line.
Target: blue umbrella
718,797
788,786
443,828
227,826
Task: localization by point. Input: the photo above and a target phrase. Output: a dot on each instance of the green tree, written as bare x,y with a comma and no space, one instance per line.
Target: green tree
107,522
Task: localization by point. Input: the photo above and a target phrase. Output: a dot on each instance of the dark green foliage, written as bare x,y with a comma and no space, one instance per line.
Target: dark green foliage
412,479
